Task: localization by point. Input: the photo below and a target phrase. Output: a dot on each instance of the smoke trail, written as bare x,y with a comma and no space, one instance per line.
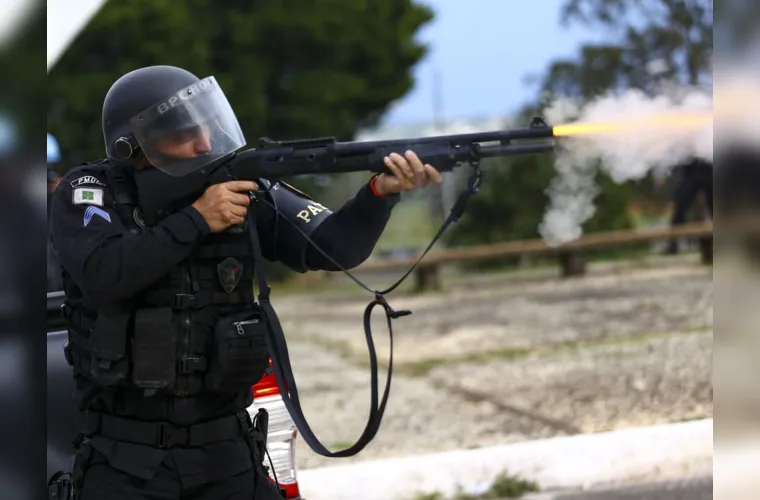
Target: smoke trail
626,155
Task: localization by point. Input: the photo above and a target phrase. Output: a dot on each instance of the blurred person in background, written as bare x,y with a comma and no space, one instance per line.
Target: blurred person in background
694,176
167,418
54,279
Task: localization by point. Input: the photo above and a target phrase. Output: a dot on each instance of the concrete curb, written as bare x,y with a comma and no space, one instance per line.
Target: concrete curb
557,463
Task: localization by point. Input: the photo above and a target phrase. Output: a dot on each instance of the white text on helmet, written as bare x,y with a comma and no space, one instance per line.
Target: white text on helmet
185,94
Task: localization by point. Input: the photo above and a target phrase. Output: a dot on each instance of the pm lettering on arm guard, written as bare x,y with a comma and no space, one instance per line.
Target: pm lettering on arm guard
310,211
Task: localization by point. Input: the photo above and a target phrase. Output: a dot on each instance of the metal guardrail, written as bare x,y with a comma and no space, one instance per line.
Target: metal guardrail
570,254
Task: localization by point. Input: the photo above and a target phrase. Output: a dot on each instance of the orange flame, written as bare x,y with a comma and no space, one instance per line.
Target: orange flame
683,121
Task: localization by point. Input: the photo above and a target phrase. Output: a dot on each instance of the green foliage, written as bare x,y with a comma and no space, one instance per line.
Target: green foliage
510,204
611,205
436,495
504,486
677,32
513,200
511,486
290,69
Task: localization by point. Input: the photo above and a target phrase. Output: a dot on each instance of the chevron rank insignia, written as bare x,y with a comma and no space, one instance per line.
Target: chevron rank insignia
92,212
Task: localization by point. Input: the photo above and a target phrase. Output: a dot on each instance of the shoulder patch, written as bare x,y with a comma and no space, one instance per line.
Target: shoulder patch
87,180
291,188
87,196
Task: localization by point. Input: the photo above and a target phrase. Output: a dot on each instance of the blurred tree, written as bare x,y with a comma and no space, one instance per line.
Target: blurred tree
653,41
678,33
290,69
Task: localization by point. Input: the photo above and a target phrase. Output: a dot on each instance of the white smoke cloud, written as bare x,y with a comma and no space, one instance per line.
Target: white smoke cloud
626,155
633,153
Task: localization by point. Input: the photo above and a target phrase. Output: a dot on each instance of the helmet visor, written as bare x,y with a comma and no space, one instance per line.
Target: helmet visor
189,129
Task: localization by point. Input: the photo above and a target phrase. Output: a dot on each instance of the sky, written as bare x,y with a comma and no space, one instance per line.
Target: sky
482,50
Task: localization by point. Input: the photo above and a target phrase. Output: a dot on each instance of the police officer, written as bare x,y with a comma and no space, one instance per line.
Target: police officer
696,177
163,335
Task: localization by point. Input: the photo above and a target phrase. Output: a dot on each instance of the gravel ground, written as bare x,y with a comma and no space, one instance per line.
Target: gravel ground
498,359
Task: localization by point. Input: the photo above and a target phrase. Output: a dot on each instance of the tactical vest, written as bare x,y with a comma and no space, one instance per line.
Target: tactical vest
194,330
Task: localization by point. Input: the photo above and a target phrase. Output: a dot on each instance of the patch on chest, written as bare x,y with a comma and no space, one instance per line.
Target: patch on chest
230,270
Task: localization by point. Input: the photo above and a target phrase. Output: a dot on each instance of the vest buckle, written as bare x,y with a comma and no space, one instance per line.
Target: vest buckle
183,301
191,365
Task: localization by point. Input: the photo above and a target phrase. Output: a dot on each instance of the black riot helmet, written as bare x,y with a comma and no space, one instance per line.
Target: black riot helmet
159,111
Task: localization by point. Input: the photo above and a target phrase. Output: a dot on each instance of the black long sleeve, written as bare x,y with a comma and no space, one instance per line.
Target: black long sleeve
350,234
106,259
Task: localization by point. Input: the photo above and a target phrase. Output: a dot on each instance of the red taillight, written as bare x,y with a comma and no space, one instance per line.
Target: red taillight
267,386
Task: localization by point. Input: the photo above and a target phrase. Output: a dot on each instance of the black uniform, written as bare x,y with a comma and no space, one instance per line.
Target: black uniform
696,177
128,286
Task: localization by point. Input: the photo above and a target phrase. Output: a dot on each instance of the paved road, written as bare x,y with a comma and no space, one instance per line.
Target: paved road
687,489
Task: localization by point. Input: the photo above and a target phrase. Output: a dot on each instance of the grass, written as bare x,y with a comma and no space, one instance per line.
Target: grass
504,486
436,495
424,367
342,347
340,445
508,486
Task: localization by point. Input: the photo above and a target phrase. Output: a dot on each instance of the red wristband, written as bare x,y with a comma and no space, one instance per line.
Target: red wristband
374,188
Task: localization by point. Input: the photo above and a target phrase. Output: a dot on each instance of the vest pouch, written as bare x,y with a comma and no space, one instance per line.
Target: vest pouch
239,356
154,345
109,364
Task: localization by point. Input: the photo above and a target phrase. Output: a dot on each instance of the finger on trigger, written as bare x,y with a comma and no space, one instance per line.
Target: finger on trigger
239,186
